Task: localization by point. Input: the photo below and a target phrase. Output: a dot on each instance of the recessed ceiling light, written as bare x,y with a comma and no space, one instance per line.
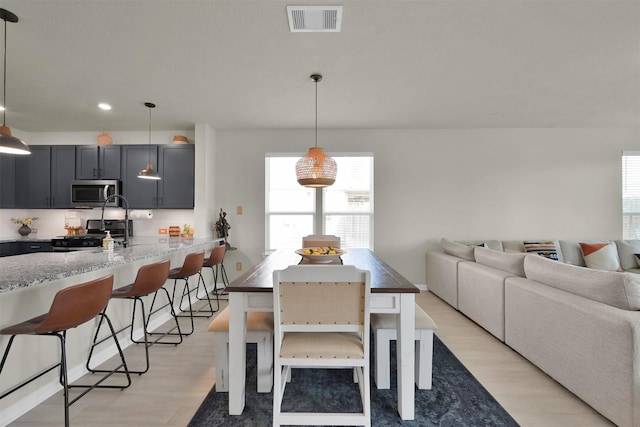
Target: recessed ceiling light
104,106
1,108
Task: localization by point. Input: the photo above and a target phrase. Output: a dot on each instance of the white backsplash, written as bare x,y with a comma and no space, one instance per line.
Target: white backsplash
51,222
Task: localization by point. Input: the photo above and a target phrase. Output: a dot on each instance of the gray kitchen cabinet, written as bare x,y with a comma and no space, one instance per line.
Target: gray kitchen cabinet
8,249
33,247
140,193
97,162
176,166
7,181
33,178
24,247
43,178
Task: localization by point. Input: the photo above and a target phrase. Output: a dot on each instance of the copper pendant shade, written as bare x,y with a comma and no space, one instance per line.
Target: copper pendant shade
316,169
8,144
149,172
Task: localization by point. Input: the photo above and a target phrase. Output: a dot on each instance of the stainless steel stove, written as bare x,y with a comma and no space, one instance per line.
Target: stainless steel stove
94,236
77,243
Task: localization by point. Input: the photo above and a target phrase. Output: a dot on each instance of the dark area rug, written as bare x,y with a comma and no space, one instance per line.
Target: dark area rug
455,399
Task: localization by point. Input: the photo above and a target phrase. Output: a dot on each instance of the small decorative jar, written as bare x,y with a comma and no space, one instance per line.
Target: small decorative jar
105,139
180,139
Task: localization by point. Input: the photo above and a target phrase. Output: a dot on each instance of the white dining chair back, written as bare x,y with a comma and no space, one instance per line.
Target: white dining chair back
320,240
321,320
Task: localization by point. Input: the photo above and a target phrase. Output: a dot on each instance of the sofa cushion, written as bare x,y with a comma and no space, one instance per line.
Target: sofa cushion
626,253
546,248
461,250
511,263
601,256
619,289
496,245
570,252
513,246
457,249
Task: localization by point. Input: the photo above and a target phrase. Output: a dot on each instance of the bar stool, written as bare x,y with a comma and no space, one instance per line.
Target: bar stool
149,280
214,262
384,327
191,266
71,307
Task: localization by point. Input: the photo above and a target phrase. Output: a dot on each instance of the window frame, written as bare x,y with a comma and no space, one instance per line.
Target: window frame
319,213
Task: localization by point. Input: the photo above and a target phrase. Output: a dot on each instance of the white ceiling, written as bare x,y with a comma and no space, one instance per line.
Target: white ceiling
396,64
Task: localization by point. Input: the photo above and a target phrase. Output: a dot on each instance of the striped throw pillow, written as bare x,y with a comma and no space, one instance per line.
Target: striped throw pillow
546,249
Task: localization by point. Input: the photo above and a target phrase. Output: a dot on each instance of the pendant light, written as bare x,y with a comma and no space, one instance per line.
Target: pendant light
8,144
149,172
316,169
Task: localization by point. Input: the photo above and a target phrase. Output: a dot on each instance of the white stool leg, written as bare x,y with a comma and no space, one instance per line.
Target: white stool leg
221,360
424,358
382,340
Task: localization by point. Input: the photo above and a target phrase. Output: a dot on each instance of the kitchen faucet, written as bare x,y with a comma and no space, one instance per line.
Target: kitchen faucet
125,242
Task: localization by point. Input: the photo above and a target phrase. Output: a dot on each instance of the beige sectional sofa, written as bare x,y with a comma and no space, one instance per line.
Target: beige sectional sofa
579,325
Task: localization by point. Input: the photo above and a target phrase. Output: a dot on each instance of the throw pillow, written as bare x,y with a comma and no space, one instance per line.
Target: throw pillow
458,249
546,249
601,256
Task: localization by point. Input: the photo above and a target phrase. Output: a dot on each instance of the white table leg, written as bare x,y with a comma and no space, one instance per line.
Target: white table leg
405,353
237,352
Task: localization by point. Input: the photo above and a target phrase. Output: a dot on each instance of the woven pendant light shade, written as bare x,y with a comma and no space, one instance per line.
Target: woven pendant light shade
316,169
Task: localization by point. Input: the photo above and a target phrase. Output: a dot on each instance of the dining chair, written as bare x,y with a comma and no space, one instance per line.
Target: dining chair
320,240
321,320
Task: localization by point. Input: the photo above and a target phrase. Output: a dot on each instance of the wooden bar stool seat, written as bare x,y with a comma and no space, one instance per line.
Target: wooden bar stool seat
260,332
150,279
71,307
385,331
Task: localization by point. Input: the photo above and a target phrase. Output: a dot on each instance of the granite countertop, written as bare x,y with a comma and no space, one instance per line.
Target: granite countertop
21,271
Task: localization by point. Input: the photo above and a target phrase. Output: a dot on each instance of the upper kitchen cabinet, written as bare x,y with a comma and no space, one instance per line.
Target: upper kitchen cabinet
43,178
176,166
7,181
97,162
140,193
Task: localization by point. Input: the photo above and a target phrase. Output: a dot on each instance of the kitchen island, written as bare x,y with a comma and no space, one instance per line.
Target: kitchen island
28,284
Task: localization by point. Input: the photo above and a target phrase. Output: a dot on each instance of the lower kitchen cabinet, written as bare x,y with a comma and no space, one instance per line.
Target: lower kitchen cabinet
20,247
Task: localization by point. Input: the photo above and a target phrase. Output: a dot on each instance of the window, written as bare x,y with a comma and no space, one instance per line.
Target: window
631,195
344,209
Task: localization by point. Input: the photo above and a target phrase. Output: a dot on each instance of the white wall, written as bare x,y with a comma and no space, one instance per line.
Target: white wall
461,184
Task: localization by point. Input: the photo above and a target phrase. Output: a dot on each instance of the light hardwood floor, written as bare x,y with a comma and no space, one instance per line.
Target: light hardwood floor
181,376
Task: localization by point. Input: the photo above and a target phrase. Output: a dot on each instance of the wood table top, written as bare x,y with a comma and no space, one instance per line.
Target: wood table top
384,279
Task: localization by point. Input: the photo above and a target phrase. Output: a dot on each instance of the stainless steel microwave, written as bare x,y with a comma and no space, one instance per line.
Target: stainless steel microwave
91,193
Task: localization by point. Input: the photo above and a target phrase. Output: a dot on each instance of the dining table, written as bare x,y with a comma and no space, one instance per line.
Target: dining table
390,293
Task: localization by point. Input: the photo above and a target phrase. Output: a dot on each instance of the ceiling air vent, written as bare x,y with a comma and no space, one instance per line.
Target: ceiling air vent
314,19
